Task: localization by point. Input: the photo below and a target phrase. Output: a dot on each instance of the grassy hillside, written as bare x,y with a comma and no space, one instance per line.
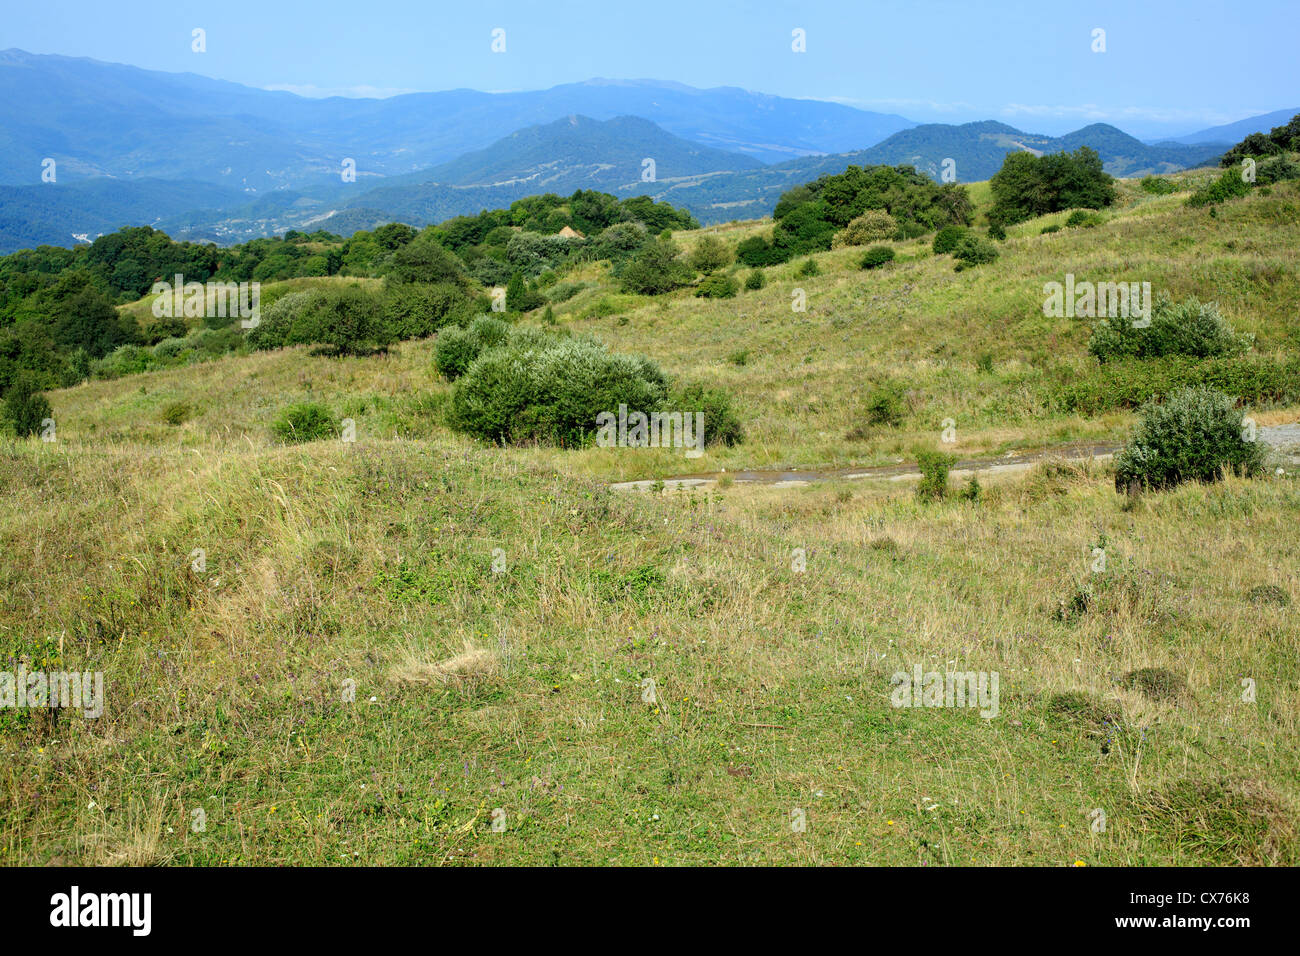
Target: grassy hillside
499,612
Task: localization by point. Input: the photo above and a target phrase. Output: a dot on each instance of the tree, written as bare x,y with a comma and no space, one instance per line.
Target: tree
655,269
25,407
709,254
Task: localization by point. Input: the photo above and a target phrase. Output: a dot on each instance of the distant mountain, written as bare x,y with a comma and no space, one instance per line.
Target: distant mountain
57,213
581,153
98,118
1234,133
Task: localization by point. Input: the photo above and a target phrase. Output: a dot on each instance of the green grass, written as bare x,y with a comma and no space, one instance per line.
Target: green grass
392,638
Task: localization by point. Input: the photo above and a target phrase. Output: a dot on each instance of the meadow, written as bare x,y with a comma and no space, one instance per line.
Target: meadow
418,649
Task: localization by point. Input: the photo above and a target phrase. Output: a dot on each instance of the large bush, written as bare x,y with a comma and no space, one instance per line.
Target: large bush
872,226
946,239
655,269
974,251
876,256
551,392
710,254
1194,435
1229,185
25,407
717,286
721,423
457,347
1185,328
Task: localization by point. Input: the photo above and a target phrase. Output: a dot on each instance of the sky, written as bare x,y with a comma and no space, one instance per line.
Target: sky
1167,67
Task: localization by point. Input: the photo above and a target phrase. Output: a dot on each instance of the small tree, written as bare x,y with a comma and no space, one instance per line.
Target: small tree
25,407
710,254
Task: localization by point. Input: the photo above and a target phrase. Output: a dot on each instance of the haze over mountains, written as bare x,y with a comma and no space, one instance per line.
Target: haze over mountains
209,159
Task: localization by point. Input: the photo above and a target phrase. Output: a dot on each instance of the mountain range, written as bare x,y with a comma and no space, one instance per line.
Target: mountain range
208,159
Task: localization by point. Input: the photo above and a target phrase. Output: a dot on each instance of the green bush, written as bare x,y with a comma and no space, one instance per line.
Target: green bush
177,413
1081,217
1193,436
1276,170
808,268
876,256
1158,186
934,467
304,422
457,348
946,239
755,280
1185,328
551,391
710,254
721,424
974,251
655,269
1054,227
997,230
25,407
872,226
717,286
1128,383
1230,185
885,406
1027,185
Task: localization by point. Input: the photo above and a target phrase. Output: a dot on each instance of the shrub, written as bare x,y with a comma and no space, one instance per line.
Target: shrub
1194,435
946,239
1081,217
1276,170
655,269
457,347
416,310
934,467
885,406
716,286
277,319
721,424
177,413
710,254
876,256
550,392
974,251
1128,383
808,268
25,407
1054,227
755,280
1186,328
1158,186
304,422
997,231
872,226
1228,186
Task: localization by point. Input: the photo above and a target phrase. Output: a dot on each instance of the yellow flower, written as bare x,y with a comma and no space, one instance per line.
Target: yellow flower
1079,863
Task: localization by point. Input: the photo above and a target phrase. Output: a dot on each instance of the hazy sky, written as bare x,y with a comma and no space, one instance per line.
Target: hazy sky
1168,67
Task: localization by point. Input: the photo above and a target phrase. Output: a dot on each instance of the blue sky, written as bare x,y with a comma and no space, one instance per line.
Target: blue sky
1168,67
